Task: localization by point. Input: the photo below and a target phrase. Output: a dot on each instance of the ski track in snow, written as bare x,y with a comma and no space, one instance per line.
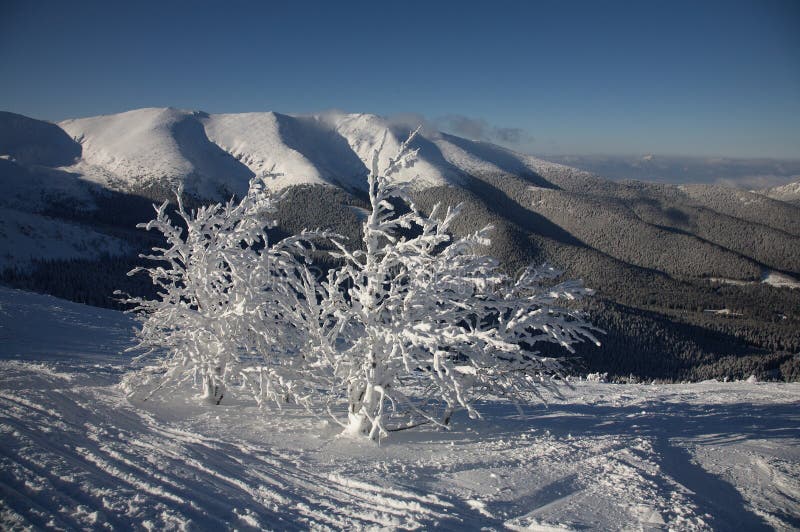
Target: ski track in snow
76,454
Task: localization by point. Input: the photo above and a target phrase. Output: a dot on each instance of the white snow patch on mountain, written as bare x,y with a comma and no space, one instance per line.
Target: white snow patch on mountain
779,279
788,192
770,277
77,454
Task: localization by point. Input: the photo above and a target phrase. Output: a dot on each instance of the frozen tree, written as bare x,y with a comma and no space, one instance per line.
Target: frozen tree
292,339
229,305
426,323
408,329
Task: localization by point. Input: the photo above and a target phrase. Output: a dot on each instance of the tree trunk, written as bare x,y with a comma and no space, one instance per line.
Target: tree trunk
364,413
213,391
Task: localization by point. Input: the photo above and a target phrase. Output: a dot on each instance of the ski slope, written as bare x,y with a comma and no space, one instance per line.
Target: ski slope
76,453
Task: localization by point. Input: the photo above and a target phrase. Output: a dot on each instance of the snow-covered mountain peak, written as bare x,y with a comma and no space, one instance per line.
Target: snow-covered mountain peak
155,145
215,155
152,145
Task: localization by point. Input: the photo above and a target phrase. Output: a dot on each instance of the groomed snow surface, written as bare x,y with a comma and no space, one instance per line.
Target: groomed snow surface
76,454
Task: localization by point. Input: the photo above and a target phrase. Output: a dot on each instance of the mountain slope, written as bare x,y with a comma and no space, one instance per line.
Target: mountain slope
789,192
25,237
31,141
149,146
300,150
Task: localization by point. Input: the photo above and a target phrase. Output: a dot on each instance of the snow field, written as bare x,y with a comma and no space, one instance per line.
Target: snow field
75,453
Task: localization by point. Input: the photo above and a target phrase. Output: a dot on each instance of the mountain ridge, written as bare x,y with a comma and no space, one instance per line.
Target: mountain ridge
147,144
790,192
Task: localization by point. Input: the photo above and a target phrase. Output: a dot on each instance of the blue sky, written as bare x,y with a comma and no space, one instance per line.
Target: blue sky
695,78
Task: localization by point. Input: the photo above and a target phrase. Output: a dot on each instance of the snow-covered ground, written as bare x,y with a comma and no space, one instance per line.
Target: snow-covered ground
25,237
75,453
780,279
770,277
